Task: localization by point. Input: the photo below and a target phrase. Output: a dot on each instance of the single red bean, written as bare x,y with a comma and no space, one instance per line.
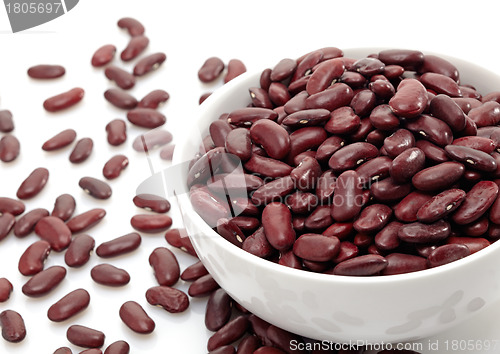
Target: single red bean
204,96
308,138
373,218
260,97
368,66
293,105
6,121
218,310
54,231
194,271
33,184
474,244
135,47
407,164
91,351
33,258
116,132
387,239
219,130
69,305
153,99
306,117
447,254
95,187
231,332
472,158
167,152
441,205
410,99
44,281
401,263
305,64
114,166
364,265
337,96
283,70
301,203
64,100
86,220
230,231
276,147
317,248
245,117
478,227
13,327
441,84
374,170
203,286
133,26
103,55
120,245
388,190
82,150
432,129
7,222
165,266
60,140
257,244
277,223
238,143
476,142
134,316
323,76
149,63
424,233
46,71
351,156
328,148
146,118
78,252
9,148
363,102
267,167
488,114
435,64
346,203
118,347
235,68
210,69
151,223
122,78
120,98
26,224
248,345
438,177
444,108
382,117
477,201
381,89
170,299
109,275
5,289
306,174
85,337
64,207
398,142
408,59
209,208
342,121
432,152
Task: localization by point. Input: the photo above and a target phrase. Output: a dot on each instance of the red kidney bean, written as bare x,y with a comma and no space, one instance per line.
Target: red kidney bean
151,223
343,120
476,202
407,164
134,316
248,345
295,104
211,69
466,104
281,339
444,108
364,265
165,266
374,170
85,337
194,271
328,148
260,97
245,117
7,222
78,252
134,48
438,177
474,244
54,231
351,156
120,98
398,142
476,142
33,184
441,84
230,231
289,259
209,208
204,96
103,55
170,299
238,143
118,347
408,59
306,174
33,258
368,66
26,224
63,100
235,68
373,218
301,203
272,137
11,206
109,275
153,99
64,207
324,75
432,152
203,286
267,167
432,129
381,89
231,332
6,121
400,263
122,78
306,117
325,186
346,203
488,114
116,132
114,166
257,244
363,102
447,254
347,250
388,190
472,158
133,26
146,118
304,139
477,228
82,150
317,248
149,63
353,79
424,233
337,96
95,187
91,351
341,230
167,152
440,205
13,327
69,305
305,65
410,99
44,281
387,239
60,140
9,148
265,79
86,220
278,93
5,289
120,245
46,71
218,310
277,223
435,64
283,70
219,130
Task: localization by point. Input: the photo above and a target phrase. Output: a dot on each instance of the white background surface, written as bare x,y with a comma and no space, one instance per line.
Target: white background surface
258,32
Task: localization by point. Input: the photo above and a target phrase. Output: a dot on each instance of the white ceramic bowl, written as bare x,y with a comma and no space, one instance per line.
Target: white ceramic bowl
338,308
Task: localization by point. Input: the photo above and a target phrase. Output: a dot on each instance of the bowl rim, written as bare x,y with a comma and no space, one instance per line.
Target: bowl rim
184,202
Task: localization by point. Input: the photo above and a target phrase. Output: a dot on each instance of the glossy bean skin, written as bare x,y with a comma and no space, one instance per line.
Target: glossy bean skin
408,59
218,310
114,166
44,282
476,142
165,266
118,347
444,108
245,117
46,71
6,121
438,177
424,233
116,132
54,231
304,139
324,75
382,117
211,69
33,184
410,99
277,223
151,223
122,78
230,231
86,220
203,286
103,55
239,143
95,187
227,183
472,158
134,316
368,66
328,148
441,205
267,167
446,254
361,266
133,26
441,84
109,275
149,63
235,68
13,327
283,69
273,138
476,202
64,207
342,120
204,168
64,100
9,148
170,299
388,190
120,98
78,252
219,130
316,248
306,174
432,129
387,239
257,244
7,222
363,102
146,118
306,117
400,263
373,218
487,114
432,152
209,208
81,151
6,289
194,271
347,202
474,244
60,140
135,46
154,99
69,305
337,96
33,258
85,337
120,245
230,332
436,64
351,156
398,142
26,223
407,164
